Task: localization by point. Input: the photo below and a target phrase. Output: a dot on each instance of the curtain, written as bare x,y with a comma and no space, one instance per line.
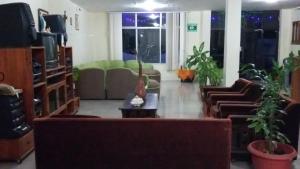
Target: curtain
173,41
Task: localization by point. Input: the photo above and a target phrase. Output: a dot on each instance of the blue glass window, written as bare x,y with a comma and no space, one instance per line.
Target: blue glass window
148,20
128,19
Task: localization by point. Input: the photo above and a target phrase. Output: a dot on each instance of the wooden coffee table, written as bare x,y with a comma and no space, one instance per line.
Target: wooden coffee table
147,110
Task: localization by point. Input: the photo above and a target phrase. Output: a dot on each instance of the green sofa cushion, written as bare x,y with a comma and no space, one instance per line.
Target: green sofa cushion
133,64
116,64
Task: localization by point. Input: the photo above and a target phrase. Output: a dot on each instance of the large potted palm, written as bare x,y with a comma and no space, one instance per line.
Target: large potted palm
206,69
272,152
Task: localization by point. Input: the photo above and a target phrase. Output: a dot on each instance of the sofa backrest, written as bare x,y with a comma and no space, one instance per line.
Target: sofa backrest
133,65
92,143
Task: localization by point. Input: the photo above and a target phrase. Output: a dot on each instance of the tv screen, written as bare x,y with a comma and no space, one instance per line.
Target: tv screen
49,41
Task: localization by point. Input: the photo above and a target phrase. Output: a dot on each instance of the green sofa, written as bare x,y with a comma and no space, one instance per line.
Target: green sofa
114,79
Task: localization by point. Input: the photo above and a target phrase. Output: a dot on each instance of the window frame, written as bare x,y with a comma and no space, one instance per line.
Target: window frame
136,28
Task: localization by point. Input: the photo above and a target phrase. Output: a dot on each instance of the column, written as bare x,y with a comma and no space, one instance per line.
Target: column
232,45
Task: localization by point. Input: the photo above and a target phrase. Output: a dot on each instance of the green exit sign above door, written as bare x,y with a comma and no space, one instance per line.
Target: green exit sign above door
192,27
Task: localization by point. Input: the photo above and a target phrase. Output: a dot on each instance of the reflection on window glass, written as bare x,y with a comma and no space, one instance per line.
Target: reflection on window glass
128,19
128,44
148,45
148,19
163,46
164,19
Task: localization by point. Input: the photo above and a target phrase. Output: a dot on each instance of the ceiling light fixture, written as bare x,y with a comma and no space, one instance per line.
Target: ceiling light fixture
152,16
268,1
150,5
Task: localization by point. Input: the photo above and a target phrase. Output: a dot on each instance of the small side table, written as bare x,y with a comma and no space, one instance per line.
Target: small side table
147,110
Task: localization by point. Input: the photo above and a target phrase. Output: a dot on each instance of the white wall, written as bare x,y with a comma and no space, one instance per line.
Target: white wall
295,17
90,42
202,19
287,17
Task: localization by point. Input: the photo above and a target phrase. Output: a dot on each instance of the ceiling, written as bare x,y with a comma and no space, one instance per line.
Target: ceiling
181,5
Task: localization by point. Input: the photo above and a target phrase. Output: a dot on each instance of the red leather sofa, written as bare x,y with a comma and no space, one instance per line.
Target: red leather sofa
95,143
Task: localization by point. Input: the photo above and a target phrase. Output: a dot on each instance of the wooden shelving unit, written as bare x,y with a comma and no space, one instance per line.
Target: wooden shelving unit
72,101
296,33
55,87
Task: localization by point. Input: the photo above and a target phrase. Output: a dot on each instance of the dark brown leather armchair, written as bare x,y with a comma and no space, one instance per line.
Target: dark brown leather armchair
237,87
253,94
240,112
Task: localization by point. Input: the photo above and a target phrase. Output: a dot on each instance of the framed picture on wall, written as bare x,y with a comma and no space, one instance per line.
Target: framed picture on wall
76,21
41,21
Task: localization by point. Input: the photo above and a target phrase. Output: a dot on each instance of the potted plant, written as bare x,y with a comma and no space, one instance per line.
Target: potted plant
206,69
272,152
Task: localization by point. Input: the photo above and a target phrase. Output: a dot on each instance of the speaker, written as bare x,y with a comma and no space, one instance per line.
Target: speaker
12,118
17,27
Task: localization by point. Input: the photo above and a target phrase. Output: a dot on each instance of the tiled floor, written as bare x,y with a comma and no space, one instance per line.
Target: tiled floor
177,100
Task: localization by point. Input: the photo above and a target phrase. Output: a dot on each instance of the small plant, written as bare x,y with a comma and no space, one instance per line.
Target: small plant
206,68
76,73
267,119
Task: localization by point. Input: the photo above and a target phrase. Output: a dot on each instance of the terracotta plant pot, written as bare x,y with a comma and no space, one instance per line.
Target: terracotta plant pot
186,75
263,160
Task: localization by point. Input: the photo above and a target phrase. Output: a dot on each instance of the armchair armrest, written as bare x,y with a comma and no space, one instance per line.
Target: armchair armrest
213,98
207,89
239,119
226,110
235,102
221,92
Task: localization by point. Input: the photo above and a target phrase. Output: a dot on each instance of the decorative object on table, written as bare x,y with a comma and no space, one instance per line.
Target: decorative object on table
206,69
137,101
186,75
272,152
140,86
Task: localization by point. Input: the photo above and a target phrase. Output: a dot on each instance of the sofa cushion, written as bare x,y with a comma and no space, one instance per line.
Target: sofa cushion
133,64
116,64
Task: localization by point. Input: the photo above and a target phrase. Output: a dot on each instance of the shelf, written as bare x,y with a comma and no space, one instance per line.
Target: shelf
70,100
55,86
37,47
54,69
69,74
39,84
56,74
59,110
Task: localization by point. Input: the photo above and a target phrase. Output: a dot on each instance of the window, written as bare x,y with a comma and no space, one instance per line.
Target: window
259,37
145,32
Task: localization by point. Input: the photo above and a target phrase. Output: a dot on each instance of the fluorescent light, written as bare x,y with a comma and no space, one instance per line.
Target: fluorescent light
268,1
150,5
152,16
271,1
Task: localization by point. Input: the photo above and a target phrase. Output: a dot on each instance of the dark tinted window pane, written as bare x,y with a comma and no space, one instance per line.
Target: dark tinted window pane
128,44
164,19
128,19
148,19
217,20
163,46
148,50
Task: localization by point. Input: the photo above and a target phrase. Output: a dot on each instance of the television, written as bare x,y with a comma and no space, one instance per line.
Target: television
17,27
57,25
49,41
